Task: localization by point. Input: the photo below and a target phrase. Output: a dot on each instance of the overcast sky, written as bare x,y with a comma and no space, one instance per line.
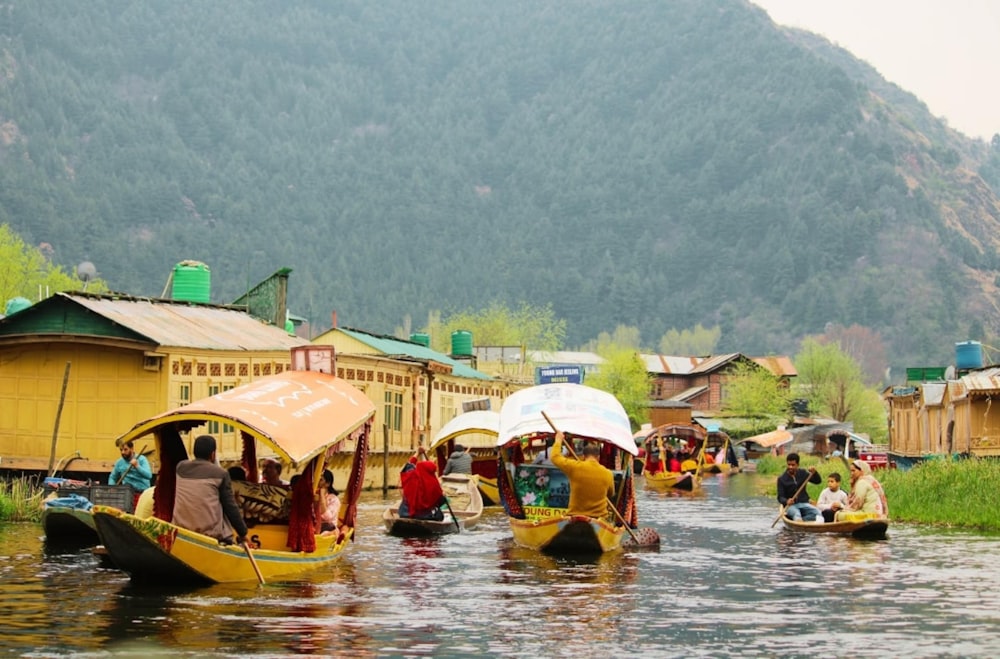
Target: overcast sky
946,53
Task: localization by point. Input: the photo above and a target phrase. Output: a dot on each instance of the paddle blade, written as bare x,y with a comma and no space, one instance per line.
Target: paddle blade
643,538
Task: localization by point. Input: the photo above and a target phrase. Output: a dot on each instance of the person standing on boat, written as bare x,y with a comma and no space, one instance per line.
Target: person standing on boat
459,462
131,469
203,500
422,493
866,500
789,483
832,498
590,482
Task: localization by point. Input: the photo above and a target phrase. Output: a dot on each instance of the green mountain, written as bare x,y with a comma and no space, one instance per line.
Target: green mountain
652,163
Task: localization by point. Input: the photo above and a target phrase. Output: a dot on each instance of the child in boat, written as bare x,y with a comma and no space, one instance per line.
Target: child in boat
832,498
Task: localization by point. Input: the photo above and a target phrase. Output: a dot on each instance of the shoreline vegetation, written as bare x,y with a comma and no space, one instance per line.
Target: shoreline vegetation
951,493
20,500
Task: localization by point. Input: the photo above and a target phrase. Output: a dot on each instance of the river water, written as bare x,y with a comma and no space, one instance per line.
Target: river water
724,583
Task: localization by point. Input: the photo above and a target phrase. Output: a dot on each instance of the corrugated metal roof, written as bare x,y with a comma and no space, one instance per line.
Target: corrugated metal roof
390,346
780,365
669,364
933,393
986,381
689,393
714,363
186,325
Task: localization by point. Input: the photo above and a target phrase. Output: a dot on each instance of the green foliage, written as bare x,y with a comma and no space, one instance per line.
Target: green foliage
953,493
536,328
572,154
697,341
625,336
754,391
19,501
833,384
26,272
624,375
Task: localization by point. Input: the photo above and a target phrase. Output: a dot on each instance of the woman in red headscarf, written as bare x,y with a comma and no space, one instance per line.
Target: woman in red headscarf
422,494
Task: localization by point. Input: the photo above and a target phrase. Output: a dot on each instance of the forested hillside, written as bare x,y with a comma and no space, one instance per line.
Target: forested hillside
649,163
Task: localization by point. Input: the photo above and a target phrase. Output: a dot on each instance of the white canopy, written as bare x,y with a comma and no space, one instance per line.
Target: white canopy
574,408
477,429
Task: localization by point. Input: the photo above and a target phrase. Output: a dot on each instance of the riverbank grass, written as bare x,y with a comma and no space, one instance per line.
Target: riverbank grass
20,501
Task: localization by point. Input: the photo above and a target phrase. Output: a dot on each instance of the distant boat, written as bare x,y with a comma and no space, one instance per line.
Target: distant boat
476,430
464,501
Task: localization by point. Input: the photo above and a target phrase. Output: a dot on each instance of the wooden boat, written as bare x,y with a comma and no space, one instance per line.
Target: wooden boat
674,434
66,513
464,500
536,496
477,431
867,529
717,439
67,525
305,417
673,480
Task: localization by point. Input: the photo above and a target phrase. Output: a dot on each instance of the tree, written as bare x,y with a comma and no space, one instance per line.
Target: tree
696,341
832,382
753,391
865,347
624,335
624,374
534,327
26,271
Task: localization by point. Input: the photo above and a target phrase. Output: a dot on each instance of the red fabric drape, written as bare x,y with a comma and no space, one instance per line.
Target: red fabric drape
302,516
249,458
170,448
349,507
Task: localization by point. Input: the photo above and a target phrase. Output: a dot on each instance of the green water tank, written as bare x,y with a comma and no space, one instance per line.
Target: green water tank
461,343
192,282
422,338
16,304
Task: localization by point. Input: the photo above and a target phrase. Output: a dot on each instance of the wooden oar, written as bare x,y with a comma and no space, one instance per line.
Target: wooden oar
130,465
253,562
458,527
652,538
794,497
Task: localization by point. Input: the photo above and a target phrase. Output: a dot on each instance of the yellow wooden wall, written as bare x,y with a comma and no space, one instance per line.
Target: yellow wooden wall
107,391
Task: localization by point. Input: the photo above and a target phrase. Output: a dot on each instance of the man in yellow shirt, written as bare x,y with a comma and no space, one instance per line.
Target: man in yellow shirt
590,482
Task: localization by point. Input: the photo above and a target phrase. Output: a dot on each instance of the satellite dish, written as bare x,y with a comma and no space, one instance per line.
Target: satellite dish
949,373
86,271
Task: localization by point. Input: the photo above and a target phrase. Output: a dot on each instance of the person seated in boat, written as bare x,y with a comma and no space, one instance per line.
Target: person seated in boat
832,498
674,461
271,473
327,503
792,492
590,482
655,463
459,462
866,500
688,464
144,505
131,469
203,497
422,493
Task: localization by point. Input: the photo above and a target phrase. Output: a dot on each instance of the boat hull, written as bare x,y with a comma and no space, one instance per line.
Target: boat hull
489,491
567,534
465,502
69,526
868,529
671,480
153,551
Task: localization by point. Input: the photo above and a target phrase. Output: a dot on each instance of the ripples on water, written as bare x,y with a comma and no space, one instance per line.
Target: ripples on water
723,583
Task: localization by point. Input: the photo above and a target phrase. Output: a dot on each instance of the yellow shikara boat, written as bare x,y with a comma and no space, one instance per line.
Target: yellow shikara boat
674,436
535,496
673,480
477,431
305,417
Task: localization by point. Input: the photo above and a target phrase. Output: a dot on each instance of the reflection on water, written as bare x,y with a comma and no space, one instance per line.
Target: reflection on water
723,583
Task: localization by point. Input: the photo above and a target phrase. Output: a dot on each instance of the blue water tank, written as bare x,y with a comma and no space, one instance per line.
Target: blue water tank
968,355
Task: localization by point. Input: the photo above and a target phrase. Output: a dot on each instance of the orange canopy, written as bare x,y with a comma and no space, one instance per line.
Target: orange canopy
297,413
